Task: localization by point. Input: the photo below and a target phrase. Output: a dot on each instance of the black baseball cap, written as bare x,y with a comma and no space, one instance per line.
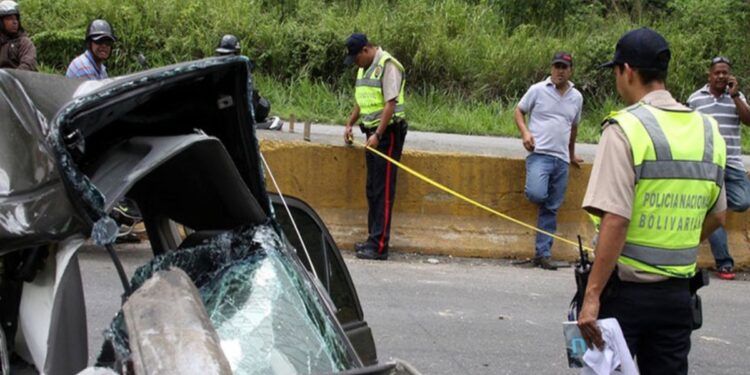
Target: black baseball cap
562,58
641,48
354,44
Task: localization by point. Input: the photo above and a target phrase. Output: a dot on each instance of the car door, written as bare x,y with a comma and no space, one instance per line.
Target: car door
330,268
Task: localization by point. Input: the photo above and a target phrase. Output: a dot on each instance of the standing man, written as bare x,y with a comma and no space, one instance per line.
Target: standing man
16,49
656,185
554,108
379,109
90,64
722,99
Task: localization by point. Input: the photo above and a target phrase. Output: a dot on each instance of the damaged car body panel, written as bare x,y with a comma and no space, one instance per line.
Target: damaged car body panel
179,142
34,208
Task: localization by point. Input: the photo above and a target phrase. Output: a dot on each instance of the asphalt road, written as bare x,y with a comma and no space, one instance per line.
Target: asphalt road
468,316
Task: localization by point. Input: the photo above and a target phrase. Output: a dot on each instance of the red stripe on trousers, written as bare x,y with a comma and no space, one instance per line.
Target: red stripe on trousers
381,243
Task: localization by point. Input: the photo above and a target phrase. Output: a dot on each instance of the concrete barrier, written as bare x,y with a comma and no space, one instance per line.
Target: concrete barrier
427,220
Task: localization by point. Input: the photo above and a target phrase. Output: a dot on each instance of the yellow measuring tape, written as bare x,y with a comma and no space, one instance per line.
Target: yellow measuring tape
467,199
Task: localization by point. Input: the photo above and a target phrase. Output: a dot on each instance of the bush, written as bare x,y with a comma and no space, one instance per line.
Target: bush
481,49
477,51
56,49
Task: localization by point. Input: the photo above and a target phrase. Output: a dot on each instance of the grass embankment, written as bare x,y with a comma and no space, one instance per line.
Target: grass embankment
432,111
468,61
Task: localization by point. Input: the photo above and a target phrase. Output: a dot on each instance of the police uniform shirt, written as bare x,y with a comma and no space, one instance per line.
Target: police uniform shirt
391,78
611,189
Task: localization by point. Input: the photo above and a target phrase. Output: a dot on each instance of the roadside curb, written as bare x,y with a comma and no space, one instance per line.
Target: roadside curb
330,177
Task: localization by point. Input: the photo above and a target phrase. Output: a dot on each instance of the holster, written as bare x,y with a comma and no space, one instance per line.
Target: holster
697,307
699,280
582,278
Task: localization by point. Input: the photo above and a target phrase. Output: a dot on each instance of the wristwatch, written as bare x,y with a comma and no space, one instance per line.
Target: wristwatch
736,94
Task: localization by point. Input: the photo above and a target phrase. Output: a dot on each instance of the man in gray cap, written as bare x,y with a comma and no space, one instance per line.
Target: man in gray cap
228,45
16,49
656,191
90,65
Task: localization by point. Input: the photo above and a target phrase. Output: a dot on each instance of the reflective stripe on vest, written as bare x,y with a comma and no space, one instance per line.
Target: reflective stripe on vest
369,91
671,197
375,116
666,168
655,255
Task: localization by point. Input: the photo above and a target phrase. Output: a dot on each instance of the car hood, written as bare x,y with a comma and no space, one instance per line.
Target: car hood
55,127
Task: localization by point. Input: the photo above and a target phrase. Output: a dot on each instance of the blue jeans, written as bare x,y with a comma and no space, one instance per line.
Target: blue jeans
737,187
546,182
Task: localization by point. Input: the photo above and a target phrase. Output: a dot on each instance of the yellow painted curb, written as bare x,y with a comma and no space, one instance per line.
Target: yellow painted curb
430,221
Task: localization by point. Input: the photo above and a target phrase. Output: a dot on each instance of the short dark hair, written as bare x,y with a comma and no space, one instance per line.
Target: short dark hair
651,75
648,75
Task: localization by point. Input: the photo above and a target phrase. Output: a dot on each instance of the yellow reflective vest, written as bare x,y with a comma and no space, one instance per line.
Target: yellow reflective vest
679,159
368,92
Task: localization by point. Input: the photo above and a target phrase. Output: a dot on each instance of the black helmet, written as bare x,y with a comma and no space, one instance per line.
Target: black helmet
228,45
8,7
98,30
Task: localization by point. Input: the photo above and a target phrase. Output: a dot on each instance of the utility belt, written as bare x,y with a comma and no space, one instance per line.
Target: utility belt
582,271
699,280
670,283
397,124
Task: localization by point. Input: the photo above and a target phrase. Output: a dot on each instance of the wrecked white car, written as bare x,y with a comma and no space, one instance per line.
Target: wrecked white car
178,141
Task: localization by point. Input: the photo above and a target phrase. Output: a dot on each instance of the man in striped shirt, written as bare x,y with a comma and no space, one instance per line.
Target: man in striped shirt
722,99
90,64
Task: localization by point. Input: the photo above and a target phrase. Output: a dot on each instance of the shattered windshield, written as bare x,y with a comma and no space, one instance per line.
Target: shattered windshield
267,315
267,324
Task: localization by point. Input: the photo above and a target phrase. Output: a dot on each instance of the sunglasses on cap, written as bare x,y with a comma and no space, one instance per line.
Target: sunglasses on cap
720,59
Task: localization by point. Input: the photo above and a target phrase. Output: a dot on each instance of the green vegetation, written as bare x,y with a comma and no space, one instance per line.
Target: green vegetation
468,61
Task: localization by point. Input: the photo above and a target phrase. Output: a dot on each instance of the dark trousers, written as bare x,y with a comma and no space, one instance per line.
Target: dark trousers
381,185
656,319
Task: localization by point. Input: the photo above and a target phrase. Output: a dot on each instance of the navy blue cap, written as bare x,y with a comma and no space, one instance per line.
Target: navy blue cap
641,48
354,44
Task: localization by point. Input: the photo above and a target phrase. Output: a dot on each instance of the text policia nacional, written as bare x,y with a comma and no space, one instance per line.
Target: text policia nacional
699,203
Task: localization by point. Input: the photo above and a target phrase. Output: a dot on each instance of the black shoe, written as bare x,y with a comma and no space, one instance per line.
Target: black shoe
360,246
545,263
371,254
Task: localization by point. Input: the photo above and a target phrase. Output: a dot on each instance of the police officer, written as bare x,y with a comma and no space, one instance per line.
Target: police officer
16,49
657,186
99,41
379,109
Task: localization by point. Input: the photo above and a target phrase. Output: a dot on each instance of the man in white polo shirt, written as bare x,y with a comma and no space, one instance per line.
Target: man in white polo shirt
554,110
722,99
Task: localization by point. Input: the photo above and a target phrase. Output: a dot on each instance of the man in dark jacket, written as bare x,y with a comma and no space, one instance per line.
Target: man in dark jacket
16,49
